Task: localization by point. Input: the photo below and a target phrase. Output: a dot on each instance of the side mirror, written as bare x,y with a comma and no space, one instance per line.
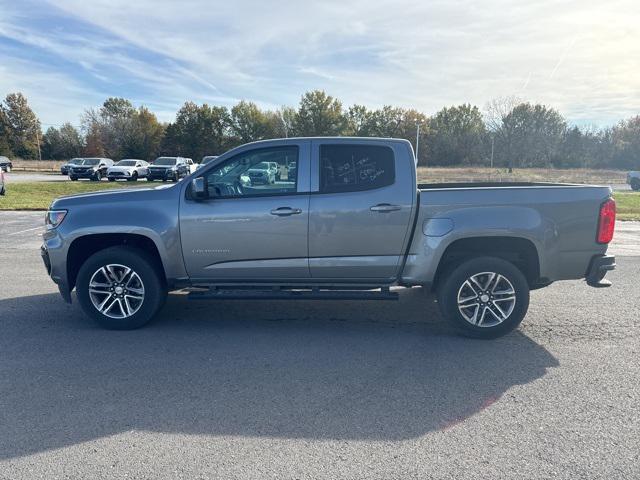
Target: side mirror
199,188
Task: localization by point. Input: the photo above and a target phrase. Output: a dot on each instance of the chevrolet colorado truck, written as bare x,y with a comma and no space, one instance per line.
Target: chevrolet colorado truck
351,223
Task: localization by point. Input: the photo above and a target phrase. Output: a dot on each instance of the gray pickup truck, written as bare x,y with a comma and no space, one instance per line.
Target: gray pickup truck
345,220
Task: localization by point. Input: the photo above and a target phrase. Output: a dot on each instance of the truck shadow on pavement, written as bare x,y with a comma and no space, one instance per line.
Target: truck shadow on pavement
311,370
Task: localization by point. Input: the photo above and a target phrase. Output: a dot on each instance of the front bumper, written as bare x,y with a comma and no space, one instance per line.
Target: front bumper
598,268
88,174
166,175
62,287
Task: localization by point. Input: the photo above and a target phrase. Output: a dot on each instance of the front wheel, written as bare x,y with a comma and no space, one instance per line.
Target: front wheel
635,184
120,288
73,179
111,179
484,297
133,177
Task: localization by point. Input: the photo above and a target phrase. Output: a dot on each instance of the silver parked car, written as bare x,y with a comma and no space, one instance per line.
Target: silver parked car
262,173
130,169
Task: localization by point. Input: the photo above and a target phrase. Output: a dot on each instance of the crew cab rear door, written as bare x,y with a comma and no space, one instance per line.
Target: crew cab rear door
361,205
248,232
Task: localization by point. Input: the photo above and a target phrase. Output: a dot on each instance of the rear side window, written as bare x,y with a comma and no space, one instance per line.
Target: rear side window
353,168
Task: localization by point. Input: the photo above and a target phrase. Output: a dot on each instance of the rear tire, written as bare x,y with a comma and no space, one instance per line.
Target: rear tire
120,312
485,297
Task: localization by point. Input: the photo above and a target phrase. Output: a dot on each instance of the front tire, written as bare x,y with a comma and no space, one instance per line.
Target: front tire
134,177
635,184
120,288
73,179
485,297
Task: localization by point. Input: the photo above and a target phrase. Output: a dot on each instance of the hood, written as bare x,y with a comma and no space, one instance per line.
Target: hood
109,197
164,167
123,169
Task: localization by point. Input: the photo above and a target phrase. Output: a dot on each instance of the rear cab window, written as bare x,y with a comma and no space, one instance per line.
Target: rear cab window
355,168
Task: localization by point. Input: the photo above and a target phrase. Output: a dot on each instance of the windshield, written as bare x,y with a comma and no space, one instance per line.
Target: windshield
165,161
126,163
89,161
75,161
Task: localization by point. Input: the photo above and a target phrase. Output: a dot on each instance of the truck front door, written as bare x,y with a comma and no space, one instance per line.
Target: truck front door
247,231
360,215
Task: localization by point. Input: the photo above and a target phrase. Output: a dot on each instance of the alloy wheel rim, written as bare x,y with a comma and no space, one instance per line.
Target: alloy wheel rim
116,291
486,299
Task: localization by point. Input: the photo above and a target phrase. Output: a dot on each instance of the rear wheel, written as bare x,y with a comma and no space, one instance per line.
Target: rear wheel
120,288
484,297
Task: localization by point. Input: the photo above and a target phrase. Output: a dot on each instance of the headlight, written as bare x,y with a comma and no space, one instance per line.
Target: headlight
54,218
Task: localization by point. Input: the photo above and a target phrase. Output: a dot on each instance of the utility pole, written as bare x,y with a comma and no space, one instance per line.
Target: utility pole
493,136
38,140
417,141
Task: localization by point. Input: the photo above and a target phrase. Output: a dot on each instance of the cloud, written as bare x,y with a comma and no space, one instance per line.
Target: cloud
580,57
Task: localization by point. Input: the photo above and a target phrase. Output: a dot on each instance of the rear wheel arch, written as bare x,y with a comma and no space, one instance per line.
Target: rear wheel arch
519,251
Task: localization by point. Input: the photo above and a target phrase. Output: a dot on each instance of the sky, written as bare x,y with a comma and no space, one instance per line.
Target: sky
581,57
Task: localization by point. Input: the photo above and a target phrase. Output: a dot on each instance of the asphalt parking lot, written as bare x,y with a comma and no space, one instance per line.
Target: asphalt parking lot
277,389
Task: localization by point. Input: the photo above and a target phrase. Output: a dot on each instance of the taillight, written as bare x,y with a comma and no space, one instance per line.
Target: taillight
606,221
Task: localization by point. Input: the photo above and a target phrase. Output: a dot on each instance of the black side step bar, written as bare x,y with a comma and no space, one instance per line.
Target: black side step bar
215,293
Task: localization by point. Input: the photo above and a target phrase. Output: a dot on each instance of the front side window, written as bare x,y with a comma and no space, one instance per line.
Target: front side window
353,168
267,171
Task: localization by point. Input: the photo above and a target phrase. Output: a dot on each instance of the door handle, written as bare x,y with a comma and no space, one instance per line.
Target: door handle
285,211
385,207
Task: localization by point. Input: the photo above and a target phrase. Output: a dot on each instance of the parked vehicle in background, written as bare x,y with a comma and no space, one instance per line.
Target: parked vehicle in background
2,186
262,173
92,168
633,179
5,164
352,224
193,166
168,168
130,169
207,159
64,169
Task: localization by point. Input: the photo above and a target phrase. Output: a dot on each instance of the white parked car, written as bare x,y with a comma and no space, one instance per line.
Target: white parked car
633,179
130,169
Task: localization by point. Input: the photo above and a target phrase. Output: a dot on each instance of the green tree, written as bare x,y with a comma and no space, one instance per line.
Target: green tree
63,143
249,123
625,138
198,131
143,135
531,136
5,147
319,114
456,136
360,121
22,126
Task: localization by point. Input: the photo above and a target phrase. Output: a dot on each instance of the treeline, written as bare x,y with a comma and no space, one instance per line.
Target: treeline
508,133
